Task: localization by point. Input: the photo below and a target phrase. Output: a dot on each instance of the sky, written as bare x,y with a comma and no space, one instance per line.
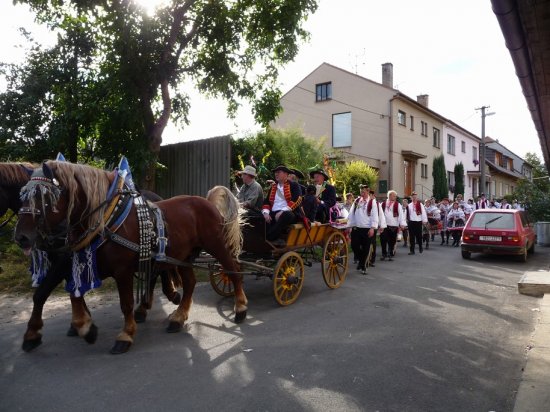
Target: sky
453,51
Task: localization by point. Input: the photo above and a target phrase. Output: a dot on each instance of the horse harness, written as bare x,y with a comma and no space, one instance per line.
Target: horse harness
153,238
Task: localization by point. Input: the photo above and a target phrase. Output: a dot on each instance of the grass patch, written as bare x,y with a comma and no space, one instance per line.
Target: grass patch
15,277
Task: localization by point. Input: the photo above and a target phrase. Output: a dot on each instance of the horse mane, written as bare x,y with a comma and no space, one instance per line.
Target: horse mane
14,174
93,183
229,208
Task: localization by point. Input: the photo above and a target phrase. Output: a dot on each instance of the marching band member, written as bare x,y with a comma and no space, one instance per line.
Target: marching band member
395,221
505,204
444,208
363,219
455,218
404,205
417,217
482,202
434,217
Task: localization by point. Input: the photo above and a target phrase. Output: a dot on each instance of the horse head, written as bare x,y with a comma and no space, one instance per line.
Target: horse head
43,210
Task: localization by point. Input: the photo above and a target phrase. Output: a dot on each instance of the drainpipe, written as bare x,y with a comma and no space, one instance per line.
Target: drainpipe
390,158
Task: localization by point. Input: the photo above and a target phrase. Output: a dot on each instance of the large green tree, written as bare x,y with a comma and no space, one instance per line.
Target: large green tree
439,174
138,64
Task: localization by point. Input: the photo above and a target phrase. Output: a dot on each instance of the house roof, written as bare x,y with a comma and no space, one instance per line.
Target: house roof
526,29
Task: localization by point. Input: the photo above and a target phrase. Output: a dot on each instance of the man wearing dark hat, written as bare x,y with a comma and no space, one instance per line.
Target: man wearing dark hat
326,195
282,203
295,176
251,195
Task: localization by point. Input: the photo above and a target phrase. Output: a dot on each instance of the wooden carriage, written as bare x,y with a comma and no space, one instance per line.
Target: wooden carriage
284,265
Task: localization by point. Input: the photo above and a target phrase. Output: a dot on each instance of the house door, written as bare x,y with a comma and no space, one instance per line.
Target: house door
408,168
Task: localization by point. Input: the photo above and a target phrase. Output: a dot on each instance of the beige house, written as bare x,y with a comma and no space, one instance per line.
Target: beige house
368,121
415,140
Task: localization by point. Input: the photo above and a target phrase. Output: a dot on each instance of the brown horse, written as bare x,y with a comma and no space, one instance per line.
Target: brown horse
76,194
13,176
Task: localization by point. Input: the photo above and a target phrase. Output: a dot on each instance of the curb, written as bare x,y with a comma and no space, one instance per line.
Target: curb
534,389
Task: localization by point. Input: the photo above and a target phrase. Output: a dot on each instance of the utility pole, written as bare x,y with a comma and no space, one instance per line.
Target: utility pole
482,149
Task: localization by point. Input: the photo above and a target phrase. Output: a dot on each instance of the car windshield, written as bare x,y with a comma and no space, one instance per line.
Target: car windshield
493,221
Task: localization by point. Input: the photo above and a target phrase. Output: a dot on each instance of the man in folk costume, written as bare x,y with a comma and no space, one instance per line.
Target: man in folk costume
505,204
395,221
326,195
281,207
381,226
482,202
417,217
363,219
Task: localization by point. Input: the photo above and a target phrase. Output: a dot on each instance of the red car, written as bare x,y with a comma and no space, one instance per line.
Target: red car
498,231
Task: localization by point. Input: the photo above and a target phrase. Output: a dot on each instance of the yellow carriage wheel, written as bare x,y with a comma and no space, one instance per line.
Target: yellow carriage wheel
221,283
335,260
288,278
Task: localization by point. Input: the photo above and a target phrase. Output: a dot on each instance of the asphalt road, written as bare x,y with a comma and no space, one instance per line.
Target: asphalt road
430,332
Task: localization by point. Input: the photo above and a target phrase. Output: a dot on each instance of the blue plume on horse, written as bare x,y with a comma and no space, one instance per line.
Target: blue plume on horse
60,157
125,172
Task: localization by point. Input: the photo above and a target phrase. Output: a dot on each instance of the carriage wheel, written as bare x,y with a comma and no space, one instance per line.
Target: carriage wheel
335,260
288,278
221,283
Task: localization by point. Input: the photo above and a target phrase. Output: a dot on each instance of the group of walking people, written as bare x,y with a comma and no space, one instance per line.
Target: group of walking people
288,201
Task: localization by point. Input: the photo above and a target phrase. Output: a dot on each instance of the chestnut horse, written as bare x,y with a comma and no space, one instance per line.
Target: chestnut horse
13,176
76,194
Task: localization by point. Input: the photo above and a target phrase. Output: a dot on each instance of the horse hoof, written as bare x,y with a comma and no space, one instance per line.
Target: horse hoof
240,317
176,299
140,316
174,327
91,336
121,346
31,344
72,331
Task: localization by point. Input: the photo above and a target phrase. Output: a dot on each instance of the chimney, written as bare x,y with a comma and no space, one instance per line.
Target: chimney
387,75
423,99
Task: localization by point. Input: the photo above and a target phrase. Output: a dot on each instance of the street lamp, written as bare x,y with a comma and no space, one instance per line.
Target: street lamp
482,149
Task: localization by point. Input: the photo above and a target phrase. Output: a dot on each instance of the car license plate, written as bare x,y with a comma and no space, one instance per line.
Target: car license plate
491,238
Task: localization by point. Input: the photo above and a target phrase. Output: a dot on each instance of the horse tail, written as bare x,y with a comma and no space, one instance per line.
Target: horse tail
228,206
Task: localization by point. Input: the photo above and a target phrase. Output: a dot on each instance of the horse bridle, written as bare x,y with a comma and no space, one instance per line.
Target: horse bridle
50,237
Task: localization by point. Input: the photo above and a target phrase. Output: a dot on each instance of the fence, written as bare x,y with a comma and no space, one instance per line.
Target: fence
193,168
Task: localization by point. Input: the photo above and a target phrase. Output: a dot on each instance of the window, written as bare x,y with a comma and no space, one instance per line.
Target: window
341,130
498,159
401,118
450,144
511,164
323,91
424,131
474,154
451,179
437,138
424,170
463,146
412,122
